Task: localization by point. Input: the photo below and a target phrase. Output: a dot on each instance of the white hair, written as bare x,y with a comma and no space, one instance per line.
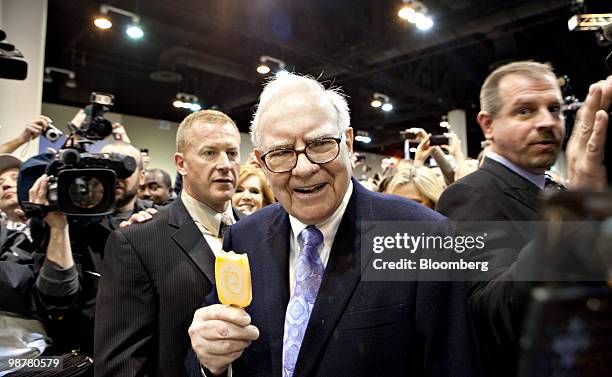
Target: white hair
294,82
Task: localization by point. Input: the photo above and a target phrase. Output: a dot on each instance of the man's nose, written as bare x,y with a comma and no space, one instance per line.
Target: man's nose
224,162
548,119
303,166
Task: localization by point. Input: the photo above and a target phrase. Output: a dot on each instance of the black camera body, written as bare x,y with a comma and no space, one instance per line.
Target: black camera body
83,184
438,140
95,126
12,65
409,135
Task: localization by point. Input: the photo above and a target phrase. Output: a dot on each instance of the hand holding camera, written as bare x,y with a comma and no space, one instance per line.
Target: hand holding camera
38,195
33,129
453,145
417,135
414,134
423,151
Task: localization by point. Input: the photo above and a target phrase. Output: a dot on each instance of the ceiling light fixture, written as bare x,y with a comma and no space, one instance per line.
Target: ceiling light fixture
263,68
70,81
444,123
381,101
186,101
387,107
133,30
363,137
415,12
103,23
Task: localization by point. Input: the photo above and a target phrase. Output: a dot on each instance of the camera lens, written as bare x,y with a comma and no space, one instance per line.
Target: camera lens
86,192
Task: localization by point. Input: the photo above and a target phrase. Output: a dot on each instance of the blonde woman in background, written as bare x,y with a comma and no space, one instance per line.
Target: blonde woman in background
418,183
252,191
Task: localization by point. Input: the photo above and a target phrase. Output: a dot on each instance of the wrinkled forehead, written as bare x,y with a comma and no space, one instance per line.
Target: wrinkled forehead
212,133
308,108
515,87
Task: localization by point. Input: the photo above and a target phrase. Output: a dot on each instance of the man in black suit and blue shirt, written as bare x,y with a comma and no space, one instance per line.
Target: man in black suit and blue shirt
521,117
311,313
156,274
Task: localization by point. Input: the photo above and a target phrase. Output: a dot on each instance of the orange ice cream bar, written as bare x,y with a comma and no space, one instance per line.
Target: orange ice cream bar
233,279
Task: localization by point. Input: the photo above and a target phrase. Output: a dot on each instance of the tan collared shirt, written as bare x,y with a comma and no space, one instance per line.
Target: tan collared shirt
207,219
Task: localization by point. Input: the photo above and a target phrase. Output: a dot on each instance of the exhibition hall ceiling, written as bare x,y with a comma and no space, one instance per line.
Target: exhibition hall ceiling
211,49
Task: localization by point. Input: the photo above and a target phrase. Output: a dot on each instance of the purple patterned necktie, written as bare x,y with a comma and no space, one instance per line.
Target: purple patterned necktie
308,276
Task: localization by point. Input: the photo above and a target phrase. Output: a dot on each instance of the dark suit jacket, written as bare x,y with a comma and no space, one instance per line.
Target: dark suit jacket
156,276
497,302
357,328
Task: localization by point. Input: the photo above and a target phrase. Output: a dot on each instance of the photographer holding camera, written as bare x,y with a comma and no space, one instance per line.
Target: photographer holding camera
427,148
78,201
68,278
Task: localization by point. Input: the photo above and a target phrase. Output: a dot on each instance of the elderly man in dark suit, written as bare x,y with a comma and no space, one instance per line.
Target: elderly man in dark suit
521,118
156,274
312,314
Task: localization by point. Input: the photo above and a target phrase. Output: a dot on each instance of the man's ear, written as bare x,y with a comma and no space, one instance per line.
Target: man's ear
485,120
349,139
258,155
179,162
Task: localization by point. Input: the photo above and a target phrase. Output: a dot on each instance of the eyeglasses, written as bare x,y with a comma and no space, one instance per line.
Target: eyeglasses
319,152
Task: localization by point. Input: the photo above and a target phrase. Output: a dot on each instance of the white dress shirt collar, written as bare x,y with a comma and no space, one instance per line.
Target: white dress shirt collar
328,227
537,179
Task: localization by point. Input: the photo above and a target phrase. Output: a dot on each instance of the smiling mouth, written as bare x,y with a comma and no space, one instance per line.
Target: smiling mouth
309,189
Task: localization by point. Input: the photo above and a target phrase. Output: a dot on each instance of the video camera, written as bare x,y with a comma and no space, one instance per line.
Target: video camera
83,183
11,64
95,126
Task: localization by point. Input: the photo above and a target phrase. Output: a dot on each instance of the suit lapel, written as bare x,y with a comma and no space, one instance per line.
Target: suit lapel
340,280
518,187
525,195
190,239
271,273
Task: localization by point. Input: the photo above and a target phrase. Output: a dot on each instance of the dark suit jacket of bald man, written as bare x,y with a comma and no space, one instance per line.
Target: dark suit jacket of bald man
357,328
156,276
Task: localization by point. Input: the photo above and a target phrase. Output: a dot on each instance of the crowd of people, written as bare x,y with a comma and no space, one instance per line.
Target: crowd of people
135,289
